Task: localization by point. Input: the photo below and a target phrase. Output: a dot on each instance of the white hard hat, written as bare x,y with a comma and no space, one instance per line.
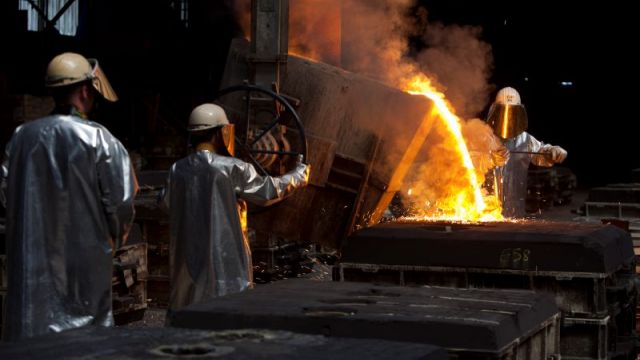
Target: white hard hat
71,68
207,116
508,96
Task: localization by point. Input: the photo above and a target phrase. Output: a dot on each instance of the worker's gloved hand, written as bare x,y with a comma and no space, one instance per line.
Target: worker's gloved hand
499,156
302,167
555,153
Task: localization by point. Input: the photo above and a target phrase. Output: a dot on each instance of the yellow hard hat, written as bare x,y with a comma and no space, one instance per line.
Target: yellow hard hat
71,68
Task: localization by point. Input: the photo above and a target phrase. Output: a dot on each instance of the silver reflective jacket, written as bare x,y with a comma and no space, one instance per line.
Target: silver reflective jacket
68,188
210,254
511,179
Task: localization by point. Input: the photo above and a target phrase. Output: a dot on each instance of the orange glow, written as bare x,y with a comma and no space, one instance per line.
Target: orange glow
447,187
505,121
459,200
315,29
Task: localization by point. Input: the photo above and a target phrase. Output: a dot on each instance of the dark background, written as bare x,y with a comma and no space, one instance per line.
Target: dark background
161,68
590,45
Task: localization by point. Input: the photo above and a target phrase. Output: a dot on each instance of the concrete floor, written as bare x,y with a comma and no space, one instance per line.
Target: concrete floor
153,317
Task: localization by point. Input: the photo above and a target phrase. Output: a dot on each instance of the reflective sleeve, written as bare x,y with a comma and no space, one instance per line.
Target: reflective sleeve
266,190
555,153
535,145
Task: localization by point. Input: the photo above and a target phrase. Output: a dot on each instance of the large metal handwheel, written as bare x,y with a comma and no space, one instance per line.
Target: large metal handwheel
261,143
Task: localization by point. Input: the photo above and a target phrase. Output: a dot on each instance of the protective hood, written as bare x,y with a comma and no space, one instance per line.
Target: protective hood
506,120
100,82
209,247
68,188
227,133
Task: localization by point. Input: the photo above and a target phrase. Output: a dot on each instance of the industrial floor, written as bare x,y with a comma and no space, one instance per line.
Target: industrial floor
153,317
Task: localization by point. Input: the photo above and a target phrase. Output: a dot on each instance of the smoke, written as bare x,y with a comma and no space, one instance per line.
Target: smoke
376,43
372,38
457,58
485,148
242,11
375,38
315,29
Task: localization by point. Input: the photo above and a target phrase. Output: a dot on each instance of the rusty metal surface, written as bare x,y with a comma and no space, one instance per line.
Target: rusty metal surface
270,45
525,246
481,322
129,343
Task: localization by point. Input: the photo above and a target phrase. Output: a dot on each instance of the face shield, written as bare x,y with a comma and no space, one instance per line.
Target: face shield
227,135
100,82
507,121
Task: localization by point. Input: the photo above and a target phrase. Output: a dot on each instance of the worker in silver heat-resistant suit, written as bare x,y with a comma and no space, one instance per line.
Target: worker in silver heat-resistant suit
68,188
209,249
508,118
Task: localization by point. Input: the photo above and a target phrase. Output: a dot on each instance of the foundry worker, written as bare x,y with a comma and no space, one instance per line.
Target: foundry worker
209,248
68,189
508,118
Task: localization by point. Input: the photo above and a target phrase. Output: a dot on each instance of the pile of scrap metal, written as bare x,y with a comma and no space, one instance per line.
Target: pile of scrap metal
134,263
153,221
280,261
129,283
549,186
